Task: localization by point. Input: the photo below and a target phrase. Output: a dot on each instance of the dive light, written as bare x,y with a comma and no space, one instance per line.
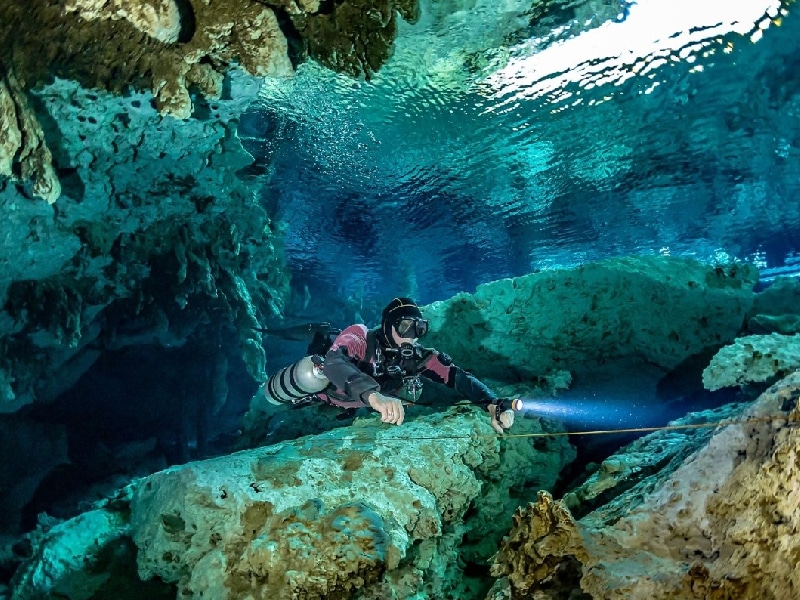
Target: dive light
503,404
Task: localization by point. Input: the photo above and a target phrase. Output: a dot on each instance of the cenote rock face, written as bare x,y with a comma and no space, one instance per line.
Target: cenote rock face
593,203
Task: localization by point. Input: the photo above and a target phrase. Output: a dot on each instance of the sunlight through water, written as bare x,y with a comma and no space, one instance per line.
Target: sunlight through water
652,33
500,140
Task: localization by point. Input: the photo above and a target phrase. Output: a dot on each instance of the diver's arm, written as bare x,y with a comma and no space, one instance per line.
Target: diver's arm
343,373
341,369
341,365
478,392
472,388
440,367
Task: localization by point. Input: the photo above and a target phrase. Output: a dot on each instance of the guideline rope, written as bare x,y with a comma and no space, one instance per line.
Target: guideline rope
505,436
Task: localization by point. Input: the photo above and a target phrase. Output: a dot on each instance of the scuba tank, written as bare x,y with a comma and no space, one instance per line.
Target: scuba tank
292,384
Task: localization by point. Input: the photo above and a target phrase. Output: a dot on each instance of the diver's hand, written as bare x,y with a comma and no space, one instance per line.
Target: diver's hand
391,408
506,419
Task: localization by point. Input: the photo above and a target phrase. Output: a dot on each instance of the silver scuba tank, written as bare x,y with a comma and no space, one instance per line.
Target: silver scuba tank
292,384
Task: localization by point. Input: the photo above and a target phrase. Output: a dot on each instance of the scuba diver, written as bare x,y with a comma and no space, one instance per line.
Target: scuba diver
380,368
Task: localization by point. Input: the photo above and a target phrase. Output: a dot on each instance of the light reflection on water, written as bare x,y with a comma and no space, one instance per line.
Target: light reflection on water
457,165
653,33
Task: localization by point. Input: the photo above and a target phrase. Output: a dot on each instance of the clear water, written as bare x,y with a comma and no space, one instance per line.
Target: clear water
497,142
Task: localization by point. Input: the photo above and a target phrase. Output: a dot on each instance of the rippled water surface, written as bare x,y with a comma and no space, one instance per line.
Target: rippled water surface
504,139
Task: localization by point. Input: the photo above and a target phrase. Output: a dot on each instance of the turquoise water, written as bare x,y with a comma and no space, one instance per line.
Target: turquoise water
497,142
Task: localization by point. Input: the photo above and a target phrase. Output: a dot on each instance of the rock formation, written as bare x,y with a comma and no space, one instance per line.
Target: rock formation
144,92
640,310
775,309
755,358
384,512
719,523
148,199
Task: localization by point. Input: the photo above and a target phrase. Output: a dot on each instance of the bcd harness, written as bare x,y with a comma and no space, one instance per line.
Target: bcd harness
395,368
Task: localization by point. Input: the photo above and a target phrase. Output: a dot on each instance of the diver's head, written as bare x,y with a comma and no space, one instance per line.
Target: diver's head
402,323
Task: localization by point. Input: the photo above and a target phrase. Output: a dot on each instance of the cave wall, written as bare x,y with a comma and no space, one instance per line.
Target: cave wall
126,114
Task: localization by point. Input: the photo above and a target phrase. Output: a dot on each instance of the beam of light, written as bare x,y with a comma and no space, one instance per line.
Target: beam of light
578,413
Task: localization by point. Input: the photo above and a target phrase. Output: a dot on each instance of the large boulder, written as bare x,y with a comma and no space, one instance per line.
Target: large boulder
649,310
367,511
72,559
754,358
776,309
376,509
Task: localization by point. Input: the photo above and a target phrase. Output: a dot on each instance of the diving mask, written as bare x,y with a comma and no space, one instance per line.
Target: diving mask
411,327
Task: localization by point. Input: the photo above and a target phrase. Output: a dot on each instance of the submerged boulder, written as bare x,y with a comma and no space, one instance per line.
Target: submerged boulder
754,358
648,310
645,464
90,556
777,308
370,508
368,511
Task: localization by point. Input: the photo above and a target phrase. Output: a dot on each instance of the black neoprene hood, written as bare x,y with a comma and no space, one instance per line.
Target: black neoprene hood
398,308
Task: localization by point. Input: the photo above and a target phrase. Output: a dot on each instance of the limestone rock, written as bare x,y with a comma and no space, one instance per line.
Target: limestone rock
755,358
722,525
160,45
786,324
141,188
160,19
22,142
777,308
72,558
322,516
543,541
655,310
357,36
781,297
644,465
369,511
171,49
10,135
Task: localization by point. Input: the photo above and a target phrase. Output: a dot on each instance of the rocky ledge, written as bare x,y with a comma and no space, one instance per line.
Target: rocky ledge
711,517
378,511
